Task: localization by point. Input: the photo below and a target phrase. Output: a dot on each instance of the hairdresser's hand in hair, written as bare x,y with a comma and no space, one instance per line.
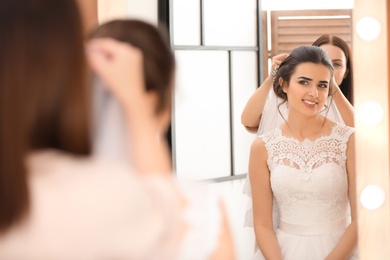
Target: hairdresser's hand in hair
277,60
120,67
118,64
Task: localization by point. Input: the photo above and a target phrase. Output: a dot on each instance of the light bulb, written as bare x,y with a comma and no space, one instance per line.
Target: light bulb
370,112
368,28
372,197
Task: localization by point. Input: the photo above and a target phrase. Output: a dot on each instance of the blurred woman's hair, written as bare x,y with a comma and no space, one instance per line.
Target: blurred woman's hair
44,99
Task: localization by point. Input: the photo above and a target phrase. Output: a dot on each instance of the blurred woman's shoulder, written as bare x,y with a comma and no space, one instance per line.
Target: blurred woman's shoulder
90,208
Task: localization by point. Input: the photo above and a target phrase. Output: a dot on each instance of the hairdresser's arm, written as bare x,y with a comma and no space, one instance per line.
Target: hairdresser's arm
348,242
120,66
253,109
251,115
262,200
345,108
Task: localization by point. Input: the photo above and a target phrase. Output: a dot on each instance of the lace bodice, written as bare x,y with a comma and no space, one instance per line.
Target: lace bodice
309,178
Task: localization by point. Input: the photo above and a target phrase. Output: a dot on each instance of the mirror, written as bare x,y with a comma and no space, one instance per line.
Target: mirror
370,58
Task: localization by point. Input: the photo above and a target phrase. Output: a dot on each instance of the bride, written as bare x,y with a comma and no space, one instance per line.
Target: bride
307,166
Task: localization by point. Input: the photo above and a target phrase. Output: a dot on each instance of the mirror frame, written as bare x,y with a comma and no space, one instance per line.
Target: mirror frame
371,82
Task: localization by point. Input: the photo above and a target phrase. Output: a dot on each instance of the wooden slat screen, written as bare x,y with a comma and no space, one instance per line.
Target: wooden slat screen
302,27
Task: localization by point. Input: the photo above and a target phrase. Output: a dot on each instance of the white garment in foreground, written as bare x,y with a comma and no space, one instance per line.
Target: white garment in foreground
310,184
90,208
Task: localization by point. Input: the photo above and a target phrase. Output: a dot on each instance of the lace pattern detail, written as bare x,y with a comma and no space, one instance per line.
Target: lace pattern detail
307,155
309,178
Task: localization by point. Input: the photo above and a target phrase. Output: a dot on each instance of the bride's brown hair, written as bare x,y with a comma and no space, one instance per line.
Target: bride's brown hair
299,55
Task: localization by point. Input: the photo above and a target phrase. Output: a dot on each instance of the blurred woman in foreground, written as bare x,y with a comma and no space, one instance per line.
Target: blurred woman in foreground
57,201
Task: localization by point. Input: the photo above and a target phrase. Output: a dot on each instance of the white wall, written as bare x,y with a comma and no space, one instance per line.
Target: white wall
145,9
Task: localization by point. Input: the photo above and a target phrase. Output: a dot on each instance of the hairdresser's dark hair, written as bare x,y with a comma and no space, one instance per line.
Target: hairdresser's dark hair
159,61
299,55
346,85
43,93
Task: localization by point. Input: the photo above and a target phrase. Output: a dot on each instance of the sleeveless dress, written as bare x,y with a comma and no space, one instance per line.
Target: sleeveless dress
310,185
273,116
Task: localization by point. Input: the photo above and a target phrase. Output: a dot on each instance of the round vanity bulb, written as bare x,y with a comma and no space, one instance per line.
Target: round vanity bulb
368,28
370,112
372,197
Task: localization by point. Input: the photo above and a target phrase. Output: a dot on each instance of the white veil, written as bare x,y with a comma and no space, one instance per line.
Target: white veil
271,118
109,129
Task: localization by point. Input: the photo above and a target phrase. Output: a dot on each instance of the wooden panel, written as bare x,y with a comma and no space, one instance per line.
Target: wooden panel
296,39
274,34
302,27
264,37
288,47
330,12
313,31
314,22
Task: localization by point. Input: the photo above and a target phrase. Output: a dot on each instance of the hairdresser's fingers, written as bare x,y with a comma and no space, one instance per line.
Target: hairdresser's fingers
278,59
100,52
105,45
96,60
106,52
119,65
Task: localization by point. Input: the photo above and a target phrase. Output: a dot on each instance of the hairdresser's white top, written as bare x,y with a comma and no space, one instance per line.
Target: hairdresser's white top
89,208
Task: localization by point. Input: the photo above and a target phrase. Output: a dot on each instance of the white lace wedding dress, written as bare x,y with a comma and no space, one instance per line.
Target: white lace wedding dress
274,114
310,185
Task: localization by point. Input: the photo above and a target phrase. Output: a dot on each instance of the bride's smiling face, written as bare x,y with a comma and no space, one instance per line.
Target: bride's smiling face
308,88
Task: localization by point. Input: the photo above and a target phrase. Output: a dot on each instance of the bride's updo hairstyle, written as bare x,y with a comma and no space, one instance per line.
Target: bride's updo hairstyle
300,55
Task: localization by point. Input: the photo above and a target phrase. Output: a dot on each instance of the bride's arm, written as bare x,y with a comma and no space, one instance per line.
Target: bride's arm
348,241
262,199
